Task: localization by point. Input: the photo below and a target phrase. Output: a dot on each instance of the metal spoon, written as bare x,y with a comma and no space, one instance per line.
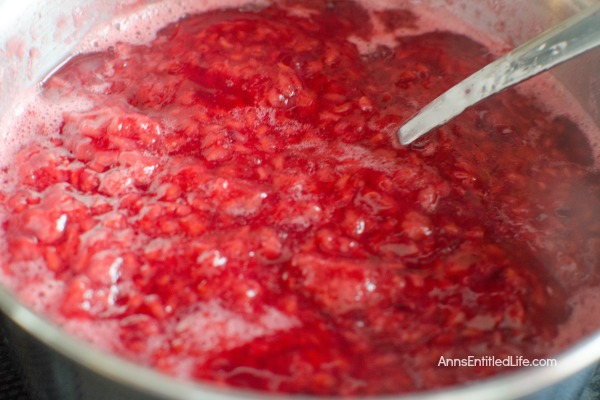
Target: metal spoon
564,41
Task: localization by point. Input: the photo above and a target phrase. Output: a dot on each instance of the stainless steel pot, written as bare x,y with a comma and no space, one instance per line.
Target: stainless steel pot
36,35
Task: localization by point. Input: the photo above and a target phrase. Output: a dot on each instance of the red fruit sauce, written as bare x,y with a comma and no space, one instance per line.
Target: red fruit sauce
234,206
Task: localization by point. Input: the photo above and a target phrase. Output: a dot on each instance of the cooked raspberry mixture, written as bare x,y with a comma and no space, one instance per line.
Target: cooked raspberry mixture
235,206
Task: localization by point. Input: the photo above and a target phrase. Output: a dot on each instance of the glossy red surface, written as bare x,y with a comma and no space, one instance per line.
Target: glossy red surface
236,203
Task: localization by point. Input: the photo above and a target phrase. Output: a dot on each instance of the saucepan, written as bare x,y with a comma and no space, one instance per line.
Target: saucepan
36,35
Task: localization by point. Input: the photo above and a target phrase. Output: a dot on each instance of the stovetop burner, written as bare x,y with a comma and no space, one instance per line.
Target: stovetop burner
11,383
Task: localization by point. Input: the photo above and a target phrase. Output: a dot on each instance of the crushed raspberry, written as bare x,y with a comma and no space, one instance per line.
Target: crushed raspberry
236,204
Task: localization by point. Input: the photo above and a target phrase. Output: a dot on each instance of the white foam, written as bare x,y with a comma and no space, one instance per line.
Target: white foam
138,26
36,118
102,334
142,25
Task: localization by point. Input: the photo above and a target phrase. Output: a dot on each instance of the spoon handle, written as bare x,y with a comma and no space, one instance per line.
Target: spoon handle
564,41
